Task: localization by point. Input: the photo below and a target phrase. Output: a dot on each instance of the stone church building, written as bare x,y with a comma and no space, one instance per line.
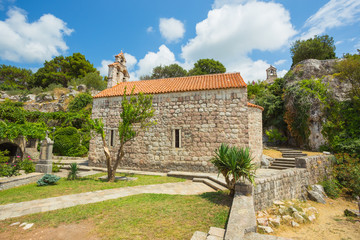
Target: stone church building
194,115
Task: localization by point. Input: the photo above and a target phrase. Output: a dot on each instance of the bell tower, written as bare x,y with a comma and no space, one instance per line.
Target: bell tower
117,71
271,74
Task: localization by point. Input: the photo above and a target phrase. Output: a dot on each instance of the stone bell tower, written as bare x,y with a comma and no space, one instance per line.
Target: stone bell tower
271,74
117,71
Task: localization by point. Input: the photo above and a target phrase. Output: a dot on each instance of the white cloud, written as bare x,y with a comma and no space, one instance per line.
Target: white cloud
335,13
279,62
171,29
281,73
338,42
21,41
150,29
253,25
163,57
103,69
130,61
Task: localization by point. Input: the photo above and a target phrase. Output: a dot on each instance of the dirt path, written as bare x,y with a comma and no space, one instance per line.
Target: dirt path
331,224
62,232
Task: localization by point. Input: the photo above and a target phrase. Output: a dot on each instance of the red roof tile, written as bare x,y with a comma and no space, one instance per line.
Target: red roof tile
180,84
255,106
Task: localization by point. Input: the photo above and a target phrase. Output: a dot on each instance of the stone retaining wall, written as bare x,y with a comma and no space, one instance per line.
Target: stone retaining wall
290,183
16,181
65,158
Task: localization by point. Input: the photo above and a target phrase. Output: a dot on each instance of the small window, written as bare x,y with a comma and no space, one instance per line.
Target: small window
177,138
112,132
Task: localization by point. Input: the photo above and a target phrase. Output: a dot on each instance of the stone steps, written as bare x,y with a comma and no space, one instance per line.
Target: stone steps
285,155
210,183
213,234
220,180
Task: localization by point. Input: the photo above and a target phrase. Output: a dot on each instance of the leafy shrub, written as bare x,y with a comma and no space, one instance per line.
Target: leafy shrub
56,166
275,136
80,102
48,179
27,165
36,90
74,170
234,163
6,169
65,139
80,151
347,172
331,188
52,87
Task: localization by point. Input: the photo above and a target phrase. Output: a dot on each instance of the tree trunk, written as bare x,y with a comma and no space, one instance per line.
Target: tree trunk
119,157
108,161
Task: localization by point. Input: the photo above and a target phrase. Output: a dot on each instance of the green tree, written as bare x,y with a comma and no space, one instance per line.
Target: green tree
14,77
349,70
319,47
80,102
61,70
171,71
92,81
234,163
207,66
136,115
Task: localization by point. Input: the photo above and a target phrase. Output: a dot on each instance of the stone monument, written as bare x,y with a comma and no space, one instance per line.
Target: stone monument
44,164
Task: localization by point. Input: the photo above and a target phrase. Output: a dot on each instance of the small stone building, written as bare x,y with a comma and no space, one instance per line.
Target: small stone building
194,116
271,74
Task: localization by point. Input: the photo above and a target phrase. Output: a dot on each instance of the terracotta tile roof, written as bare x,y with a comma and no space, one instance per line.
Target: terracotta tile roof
255,106
180,84
114,63
120,54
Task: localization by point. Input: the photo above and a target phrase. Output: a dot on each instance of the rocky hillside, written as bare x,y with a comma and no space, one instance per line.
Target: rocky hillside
318,69
51,101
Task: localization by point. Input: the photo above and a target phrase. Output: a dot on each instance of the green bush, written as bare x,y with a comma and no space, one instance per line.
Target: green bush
80,102
65,139
56,166
347,172
80,151
7,169
331,188
275,136
74,170
27,165
48,179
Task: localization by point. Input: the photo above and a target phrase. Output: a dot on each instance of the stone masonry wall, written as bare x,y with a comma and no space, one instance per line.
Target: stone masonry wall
255,133
205,119
290,183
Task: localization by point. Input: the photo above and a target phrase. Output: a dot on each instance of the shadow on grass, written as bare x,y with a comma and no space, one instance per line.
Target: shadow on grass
220,198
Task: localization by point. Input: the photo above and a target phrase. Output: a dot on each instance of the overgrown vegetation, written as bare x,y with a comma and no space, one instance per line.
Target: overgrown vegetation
15,121
301,99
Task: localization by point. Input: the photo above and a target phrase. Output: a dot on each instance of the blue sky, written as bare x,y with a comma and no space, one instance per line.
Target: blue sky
245,35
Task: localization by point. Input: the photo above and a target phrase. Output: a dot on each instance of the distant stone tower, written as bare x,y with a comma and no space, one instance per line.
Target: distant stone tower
117,71
271,74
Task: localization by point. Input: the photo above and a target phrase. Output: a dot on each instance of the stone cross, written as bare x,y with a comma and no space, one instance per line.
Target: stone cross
44,164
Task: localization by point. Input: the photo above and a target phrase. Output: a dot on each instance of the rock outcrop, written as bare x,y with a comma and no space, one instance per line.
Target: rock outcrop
318,69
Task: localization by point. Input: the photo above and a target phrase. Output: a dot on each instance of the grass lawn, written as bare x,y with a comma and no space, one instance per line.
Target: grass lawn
144,216
85,184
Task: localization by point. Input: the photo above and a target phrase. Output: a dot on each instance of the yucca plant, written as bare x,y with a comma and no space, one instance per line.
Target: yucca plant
73,174
234,163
